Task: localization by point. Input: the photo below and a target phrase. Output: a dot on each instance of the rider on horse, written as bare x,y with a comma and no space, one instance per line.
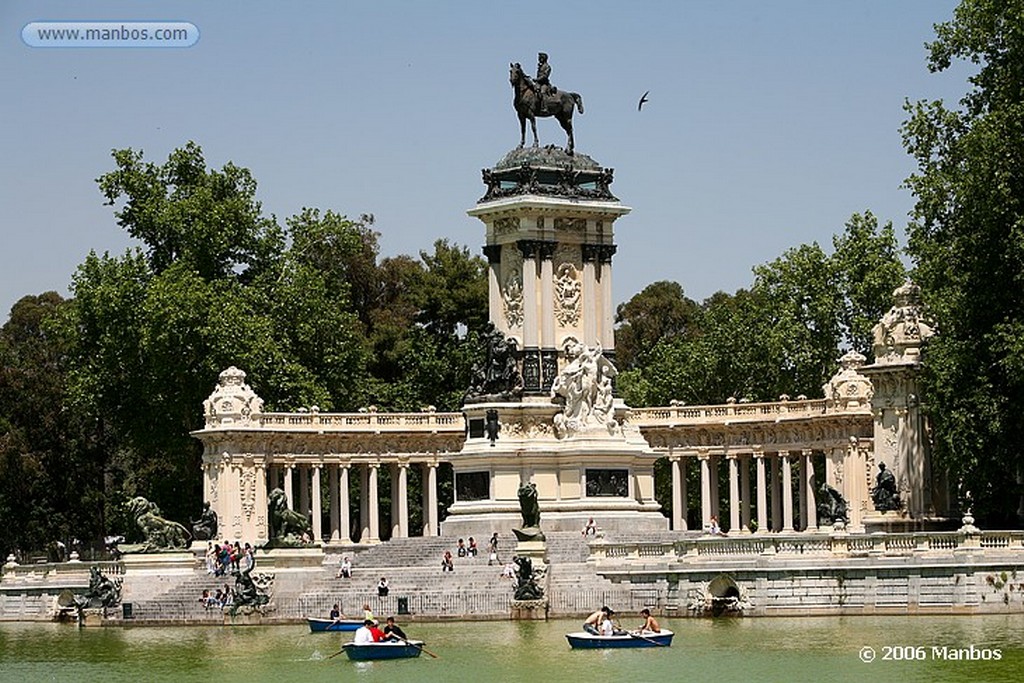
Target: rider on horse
542,83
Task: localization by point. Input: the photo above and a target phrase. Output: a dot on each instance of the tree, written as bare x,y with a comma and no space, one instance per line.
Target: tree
660,312
966,238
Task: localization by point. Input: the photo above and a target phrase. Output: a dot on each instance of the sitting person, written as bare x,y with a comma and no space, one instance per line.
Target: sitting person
378,635
364,634
446,562
650,623
509,571
591,528
367,614
609,627
393,631
382,588
592,624
472,547
336,614
713,527
461,552
345,569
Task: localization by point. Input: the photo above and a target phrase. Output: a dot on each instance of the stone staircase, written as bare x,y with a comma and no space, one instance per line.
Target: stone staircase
418,587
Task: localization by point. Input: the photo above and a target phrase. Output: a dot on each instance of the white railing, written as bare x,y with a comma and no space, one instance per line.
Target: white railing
681,415
705,549
363,422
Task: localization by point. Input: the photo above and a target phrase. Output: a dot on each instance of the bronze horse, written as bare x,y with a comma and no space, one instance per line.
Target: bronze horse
528,106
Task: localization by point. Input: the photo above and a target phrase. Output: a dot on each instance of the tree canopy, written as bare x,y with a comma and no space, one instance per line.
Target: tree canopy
967,242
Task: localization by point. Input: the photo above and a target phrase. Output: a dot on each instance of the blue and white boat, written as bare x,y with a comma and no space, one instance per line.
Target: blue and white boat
384,650
320,625
587,641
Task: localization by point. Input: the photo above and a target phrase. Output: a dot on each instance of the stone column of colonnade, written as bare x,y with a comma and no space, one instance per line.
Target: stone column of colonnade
780,505
303,484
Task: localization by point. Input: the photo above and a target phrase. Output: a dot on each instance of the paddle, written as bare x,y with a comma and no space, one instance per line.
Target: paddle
649,640
335,654
419,647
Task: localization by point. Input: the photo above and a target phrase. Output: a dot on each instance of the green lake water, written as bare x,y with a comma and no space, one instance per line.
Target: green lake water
708,651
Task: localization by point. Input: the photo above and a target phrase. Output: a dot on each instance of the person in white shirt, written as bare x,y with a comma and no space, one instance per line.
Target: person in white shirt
363,635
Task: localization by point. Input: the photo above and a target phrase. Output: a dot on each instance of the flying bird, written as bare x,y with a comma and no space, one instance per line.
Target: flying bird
643,99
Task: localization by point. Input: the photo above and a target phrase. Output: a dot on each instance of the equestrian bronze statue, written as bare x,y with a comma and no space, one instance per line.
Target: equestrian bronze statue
532,99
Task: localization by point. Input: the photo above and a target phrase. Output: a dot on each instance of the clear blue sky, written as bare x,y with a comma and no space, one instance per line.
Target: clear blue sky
768,125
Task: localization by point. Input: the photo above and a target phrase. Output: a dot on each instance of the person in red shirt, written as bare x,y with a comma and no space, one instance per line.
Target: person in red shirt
378,635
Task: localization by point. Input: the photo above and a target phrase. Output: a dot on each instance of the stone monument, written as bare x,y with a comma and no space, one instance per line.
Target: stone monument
548,220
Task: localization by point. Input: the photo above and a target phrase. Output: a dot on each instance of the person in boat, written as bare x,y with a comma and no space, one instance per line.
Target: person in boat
336,614
650,623
364,634
609,627
368,614
378,635
393,631
592,625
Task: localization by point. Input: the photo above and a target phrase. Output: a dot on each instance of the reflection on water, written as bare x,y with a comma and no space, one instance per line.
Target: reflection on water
767,649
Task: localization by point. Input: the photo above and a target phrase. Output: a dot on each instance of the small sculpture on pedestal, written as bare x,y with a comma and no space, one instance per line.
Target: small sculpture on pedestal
885,495
530,508
832,507
287,527
205,528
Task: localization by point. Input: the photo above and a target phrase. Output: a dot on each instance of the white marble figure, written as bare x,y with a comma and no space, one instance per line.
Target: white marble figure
585,389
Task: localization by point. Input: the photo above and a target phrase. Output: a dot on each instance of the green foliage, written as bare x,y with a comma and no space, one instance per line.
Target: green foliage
782,336
967,242
98,394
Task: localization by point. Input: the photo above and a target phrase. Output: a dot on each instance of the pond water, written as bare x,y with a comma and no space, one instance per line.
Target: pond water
766,649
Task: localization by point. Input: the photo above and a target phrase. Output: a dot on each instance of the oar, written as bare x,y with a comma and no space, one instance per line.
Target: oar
336,654
419,647
649,640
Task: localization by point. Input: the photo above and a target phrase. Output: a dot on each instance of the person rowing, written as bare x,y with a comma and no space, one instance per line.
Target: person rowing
393,631
593,622
650,623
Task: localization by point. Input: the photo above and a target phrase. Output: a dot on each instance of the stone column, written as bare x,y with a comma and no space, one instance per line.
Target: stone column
678,493
332,492
811,505
705,490
493,254
800,492
787,492
403,499
289,488
745,493
344,524
364,503
374,503
262,528
590,253
762,493
734,493
547,296
715,489
430,499
318,531
607,331
528,248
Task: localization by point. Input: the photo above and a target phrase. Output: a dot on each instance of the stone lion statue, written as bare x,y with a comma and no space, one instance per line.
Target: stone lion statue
159,533
286,526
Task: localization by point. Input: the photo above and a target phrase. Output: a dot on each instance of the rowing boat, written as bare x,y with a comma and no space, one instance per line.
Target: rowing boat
320,625
383,650
583,640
